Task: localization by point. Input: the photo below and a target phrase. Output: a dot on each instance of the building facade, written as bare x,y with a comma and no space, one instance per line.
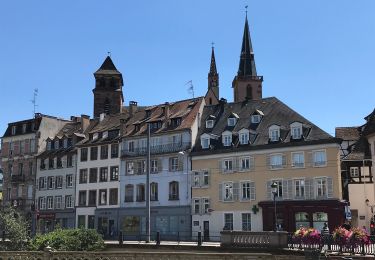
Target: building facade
21,142
56,177
173,129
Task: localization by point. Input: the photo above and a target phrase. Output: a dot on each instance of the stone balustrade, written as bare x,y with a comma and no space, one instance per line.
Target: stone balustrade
265,239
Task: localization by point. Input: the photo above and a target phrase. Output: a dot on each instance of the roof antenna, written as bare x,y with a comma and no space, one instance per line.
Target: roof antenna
191,87
33,101
109,54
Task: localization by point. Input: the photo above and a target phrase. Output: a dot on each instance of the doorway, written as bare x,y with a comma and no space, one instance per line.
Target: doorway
206,231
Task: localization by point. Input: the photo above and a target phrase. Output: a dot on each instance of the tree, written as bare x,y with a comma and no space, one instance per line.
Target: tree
16,229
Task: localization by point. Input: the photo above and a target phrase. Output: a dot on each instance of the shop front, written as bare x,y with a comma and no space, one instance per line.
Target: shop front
291,215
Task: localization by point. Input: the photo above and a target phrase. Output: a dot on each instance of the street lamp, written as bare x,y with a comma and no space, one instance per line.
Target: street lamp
274,187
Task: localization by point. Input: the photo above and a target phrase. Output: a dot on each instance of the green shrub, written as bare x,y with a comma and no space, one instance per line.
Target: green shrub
68,240
16,227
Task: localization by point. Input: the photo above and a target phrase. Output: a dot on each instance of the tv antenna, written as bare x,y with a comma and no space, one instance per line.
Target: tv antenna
190,88
34,100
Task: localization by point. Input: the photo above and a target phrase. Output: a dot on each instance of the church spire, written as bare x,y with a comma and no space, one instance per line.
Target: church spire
247,62
213,63
212,96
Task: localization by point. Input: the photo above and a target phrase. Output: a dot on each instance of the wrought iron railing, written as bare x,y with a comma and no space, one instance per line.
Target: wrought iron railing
164,148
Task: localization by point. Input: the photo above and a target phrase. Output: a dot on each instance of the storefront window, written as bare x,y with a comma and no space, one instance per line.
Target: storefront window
319,218
302,220
131,224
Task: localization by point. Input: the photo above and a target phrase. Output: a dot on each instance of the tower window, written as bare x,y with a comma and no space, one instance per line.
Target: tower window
106,106
249,92
210,101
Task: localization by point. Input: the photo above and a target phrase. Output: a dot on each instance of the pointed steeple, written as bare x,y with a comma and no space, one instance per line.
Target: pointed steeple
213,70
247,62
107,66
212,96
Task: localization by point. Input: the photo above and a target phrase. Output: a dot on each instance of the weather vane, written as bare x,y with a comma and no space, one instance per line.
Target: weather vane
109,53
246,9
212,43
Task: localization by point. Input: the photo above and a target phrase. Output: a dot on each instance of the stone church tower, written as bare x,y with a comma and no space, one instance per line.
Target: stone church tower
108,97
247,85
212,96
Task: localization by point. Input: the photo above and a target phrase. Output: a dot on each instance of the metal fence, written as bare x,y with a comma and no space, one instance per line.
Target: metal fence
329,245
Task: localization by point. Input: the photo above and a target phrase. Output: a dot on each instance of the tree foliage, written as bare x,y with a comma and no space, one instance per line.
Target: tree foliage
68,240
16,229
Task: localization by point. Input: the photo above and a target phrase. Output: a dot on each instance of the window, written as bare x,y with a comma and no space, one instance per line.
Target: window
227,165
69,180
59,162
231,121
68,201
20,169
354,172
129,193
114,150
93,153
56,144
22,146
299,188
91,222
69,160
302,220
228,221
246,163
227,139
141,167
279,192
65,143
92,198
205,181
246,222
10,169
29,191
42,183
83,176
319,218
31,168
244,138
296,130
114,173
255,119
113,196
102,197
24,128
50,163
14,128
59,182
103,174
196,179
321,187
42,203
141,192
154,166
209,123
131,146
319,158
49,202
173,190
274,133
173,164
104,152
298,160
277,161
83,154
81,221
196,206
20,190
176,122
32,145
205,142
206,205
51,182
42,164
93,177
153,191
58,202
249,92
82,198
247,191
228,191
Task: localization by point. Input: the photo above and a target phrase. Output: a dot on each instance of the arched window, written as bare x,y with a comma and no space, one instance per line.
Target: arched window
106,106
249,92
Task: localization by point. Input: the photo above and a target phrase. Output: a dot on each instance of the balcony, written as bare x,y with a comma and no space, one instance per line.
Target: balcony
17,178
165,148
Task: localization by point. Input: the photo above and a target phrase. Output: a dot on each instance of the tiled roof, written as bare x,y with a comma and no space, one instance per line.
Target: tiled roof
275,113
369,127
347,133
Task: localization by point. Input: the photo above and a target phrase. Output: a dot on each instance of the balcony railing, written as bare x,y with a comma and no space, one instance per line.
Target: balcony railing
164,148
17,178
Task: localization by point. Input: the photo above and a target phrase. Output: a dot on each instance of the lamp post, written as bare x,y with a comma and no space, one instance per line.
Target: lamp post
274,187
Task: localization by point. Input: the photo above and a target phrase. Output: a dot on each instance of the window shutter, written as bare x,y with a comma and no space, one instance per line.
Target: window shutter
180,164
220,192
236,164
74,160
53,182
309,188
284,160
285,189
201,179
221,165
236,191
193,207
252,163
63,160
252,190
62,202
201,206
329,187
45,183
160,165
268,190
309,161
269,161
290,189
170,164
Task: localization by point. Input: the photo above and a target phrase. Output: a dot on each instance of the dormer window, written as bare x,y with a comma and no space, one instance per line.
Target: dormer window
49,145
227,138
65,143
57,144
14,130
231,121
209,123
244,138
274,133
296,130
95,136
176,122
24,128
155,125
148,113
205,142
255,119
105,134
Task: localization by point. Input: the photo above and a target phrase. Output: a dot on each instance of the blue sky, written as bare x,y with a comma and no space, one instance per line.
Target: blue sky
316,56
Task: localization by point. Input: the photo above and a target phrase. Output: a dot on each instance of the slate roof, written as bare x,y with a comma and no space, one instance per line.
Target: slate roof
369,127
275,113
348,133
108,67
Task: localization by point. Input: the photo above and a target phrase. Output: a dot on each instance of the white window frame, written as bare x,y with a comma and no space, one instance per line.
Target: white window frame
58,202
298,164
129,168
59,182
317,163
209,123
227,139
279,184
154,166
320,183
228,213
196,206
245,161
205,142
246,185
14,128
50,202
231,121
230,187
42,203
204,175
273,157
248,221
296,130
274,133
244,138
255,119
299,183
354,172
24,128
205,205
174,164
57,142
69,201
227,165
69,180
131,146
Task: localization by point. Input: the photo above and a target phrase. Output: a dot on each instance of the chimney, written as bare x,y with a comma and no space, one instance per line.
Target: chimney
132,107
85,121
166,112
122,126
74,119
101,117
